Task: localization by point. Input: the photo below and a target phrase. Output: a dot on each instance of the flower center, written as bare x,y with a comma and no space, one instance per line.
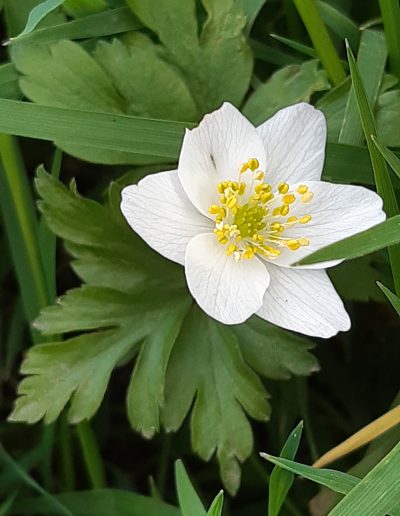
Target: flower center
252,219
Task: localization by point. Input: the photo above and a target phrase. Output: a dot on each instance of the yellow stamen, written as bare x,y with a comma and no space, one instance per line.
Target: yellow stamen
307,197
305,219
289,198
302,189
283,188
253,164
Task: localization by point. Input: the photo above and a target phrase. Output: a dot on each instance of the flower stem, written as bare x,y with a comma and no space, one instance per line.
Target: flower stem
91,454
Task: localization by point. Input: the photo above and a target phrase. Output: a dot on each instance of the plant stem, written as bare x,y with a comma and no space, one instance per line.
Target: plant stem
91,454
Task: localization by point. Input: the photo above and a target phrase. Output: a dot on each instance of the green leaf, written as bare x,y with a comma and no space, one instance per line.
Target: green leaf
215,59
81,366
299,47
335,480
96,25
287,86
378,493
210,369
251,8
388,117
217,505
146,389
189,502
9,88
394,300
98,502
38,13
78,8
17,13
378,237
281,480
273,352
157,91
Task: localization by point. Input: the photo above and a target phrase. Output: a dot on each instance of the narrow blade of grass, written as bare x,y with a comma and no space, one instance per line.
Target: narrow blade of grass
391,159
303,49
371,60
343,26
321,40
363,436
189,502
394,300
391,21
10,464
378,493
91,452
96,25
380,236
382,179
334,480
272,55
217,505
38,13
281,480
22,231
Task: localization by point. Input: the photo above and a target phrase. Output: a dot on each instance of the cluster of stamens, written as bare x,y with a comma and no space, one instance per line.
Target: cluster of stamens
252,219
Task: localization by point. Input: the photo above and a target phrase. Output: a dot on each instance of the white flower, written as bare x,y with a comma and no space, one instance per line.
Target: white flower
243,205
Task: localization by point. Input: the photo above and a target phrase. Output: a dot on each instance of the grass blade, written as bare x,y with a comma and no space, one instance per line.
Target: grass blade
10,464
334,480
343,26
363,436
303,49
21,226
391,21
382,179
371,60
378,237
38,13
189,502
321,40
391,159
217,505
102,24
394,300
378,493
93,462
281,480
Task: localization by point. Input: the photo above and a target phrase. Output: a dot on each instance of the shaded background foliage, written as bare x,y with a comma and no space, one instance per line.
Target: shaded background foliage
125,327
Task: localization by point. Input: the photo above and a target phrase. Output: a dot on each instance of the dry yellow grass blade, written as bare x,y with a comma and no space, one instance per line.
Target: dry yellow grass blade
362,437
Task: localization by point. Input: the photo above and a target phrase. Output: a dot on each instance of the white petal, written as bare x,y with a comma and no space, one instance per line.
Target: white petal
294,141
338,211
160,212
214,151
226,290
304,301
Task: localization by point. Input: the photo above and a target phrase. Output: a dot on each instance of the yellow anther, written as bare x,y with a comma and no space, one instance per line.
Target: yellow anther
289,198
232,202
302,189
253,164
249,253
242,188
231,249
255,236
234,210
244,168
276,226
292,219
214,209
221,187
305,219
293,245
307,197
222,198
260,176
304,241
255,197
284,210
260,238
277,211
235,186
283,188
223,240
267,196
